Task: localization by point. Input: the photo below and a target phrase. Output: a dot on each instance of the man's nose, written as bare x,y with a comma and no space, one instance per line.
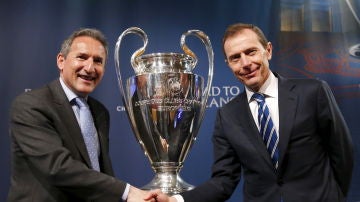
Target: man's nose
244,61
90,67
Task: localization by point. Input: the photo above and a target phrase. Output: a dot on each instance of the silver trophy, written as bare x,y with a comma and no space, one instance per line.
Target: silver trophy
165,102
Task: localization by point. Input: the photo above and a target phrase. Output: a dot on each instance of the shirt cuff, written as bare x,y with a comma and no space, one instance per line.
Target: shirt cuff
178,198
126,192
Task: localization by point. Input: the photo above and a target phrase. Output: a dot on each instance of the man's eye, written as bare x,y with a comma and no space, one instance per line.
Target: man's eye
81,57
98,61
252,52
234,58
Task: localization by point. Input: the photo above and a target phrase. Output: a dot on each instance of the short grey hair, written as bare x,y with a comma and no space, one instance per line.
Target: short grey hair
90,32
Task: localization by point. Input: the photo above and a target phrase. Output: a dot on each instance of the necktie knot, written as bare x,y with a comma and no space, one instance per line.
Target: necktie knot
258,97
81,102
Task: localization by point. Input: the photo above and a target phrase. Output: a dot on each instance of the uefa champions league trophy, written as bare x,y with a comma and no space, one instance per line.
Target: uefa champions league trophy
165,102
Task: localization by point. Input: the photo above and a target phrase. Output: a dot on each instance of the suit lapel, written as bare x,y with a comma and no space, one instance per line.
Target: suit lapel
287,112
250,130
68,117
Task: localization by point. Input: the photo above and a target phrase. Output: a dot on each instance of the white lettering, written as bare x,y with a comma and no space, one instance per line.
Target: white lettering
221,101
215,91
213,103
120,108
234,90
226,90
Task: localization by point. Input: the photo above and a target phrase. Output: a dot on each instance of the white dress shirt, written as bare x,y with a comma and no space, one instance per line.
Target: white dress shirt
270,91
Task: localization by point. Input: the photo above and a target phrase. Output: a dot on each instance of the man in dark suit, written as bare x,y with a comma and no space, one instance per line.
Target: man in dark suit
50,160
315,151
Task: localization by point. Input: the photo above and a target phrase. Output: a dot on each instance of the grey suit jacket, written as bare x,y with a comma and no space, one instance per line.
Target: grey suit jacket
316,151
49,157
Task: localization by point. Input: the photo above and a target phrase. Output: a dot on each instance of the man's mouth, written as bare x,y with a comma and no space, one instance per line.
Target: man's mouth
249,74
87,77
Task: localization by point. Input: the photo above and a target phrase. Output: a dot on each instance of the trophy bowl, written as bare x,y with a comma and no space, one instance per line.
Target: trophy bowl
165,102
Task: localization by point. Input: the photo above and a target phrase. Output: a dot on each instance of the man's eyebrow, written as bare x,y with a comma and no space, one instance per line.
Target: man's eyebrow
99,58
236,55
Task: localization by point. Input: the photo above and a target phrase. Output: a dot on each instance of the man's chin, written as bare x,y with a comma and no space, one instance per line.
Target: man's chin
251,80
252,84
85,90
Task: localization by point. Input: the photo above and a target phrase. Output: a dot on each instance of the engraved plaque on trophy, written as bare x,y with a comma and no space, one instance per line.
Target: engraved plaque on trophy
165,102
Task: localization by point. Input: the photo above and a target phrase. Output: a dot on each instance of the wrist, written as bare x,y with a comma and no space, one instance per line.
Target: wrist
176,198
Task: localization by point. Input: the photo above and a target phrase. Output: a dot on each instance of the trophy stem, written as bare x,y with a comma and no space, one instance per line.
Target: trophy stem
167,178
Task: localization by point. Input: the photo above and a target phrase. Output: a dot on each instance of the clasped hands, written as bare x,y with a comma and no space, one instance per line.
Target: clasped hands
136,195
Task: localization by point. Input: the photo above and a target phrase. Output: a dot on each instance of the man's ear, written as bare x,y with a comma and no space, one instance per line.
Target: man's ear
269,50
60,59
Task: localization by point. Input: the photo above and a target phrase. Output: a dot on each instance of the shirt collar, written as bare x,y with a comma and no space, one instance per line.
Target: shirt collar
269,88
68,92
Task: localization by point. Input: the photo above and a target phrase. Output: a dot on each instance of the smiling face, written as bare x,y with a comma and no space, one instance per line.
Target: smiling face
83,67
248,58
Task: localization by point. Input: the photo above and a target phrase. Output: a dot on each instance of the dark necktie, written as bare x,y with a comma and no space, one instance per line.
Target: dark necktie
267,129
88,131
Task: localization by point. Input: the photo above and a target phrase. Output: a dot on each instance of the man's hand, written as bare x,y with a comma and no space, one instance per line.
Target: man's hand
137,195
159,196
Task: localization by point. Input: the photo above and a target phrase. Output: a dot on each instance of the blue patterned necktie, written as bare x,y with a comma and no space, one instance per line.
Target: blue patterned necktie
88,131
267,129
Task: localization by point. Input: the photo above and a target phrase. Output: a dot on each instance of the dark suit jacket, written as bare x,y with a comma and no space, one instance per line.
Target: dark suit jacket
316,152
49,157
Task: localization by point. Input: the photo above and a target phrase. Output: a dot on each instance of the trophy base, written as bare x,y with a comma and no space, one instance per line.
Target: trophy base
168,181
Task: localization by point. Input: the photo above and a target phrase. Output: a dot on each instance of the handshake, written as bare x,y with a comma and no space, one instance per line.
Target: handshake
136,195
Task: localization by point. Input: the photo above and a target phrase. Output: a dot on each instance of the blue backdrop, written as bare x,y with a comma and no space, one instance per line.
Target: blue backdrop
314,43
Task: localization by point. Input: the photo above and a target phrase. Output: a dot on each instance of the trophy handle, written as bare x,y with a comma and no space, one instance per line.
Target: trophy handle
137,53
206,41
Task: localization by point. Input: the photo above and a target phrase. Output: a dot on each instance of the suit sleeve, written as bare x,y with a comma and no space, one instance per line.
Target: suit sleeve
226,170
39,148
336,136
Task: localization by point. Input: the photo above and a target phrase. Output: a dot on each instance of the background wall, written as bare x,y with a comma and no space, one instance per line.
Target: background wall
311,39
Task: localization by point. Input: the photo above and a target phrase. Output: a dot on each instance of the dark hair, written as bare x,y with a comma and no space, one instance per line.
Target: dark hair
90,32
239,27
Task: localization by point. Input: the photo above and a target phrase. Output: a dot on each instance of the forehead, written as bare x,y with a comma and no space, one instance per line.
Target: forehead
241,41
86,44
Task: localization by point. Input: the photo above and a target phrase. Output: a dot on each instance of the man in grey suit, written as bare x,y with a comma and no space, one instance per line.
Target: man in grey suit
50,160
315,151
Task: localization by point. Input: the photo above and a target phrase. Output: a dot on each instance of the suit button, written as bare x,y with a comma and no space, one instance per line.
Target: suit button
280,182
